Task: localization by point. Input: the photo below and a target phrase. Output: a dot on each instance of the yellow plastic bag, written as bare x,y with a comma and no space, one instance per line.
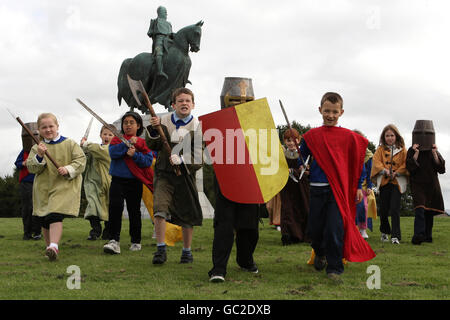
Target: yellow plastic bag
371,206
313,254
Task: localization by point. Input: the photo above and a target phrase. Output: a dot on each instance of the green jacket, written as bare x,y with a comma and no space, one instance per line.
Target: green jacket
97,180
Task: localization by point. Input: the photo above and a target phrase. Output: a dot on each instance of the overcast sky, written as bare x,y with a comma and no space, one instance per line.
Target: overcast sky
388,59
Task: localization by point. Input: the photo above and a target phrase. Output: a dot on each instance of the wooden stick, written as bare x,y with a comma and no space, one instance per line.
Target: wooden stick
138,85
37,142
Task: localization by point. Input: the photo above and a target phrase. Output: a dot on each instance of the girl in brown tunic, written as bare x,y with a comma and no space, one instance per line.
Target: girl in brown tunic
295,195
391,177
424,167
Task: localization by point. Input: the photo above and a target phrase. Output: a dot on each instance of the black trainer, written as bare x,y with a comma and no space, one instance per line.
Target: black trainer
417,239
253,268
320,262
160,256
37,236
27,237
217,278
186,257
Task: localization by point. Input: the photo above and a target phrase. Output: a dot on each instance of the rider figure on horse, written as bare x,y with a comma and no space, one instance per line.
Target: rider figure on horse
159,30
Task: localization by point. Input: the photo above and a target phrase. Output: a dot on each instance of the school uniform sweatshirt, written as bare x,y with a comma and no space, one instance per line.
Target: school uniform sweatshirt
119,168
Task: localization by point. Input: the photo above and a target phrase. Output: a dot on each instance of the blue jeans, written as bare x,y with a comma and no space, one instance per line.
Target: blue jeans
326,228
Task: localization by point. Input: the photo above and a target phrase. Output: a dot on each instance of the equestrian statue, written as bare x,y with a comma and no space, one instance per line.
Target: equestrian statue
166,68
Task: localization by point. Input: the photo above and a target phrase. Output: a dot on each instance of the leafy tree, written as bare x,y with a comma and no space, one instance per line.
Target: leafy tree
372,147
295,125
406,204
9,195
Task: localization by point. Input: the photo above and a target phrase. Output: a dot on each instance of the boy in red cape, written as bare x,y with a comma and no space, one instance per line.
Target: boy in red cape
338,158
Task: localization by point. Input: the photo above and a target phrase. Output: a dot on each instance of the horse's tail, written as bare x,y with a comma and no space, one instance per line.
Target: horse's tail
119,97
122,82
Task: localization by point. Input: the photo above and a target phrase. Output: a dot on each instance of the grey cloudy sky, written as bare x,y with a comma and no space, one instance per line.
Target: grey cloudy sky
388,59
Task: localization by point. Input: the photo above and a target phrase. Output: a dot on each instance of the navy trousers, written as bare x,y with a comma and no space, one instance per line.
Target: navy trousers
234,222
326,228
129,190
423,223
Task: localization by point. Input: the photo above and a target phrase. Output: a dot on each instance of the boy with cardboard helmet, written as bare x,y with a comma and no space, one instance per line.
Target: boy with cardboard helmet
424,162
423,134
233,221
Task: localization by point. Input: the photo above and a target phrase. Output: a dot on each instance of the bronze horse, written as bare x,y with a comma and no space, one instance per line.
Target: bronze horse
177,65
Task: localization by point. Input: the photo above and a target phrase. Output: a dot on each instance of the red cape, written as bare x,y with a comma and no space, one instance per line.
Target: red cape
340,153
24,171
143,174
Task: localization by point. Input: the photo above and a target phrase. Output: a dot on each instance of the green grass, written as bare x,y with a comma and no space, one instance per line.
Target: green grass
407,271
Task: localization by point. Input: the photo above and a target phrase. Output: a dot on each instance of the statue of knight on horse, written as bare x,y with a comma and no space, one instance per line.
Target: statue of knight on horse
166,68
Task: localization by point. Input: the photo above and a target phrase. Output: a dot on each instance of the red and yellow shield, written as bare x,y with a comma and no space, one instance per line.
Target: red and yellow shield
245,151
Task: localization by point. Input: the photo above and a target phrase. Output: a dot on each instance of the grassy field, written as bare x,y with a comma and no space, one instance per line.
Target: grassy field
407,271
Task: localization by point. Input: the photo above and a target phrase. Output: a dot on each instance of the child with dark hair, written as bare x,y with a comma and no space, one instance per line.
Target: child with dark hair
130,169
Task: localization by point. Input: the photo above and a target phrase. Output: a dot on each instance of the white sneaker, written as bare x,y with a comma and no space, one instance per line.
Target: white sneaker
112,247
364,233
384,237
395,241
135,247
217,278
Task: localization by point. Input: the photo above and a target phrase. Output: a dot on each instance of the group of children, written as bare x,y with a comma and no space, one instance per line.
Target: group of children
115,173
320,204
393,167
326,217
